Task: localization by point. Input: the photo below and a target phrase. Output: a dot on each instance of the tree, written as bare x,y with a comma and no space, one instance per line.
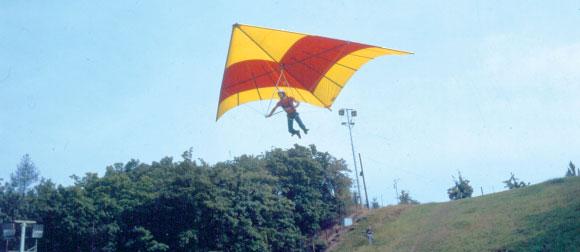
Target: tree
278,201
405,199
142,240
315,182
513,183
26,174
571,172
461,189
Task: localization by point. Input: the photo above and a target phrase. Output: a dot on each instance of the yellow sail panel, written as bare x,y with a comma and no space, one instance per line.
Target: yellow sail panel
248,96
327,91
266,93
242,48
227,104
275,42
373,52
302,95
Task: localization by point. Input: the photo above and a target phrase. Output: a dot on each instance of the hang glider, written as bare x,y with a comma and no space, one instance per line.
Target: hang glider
311,69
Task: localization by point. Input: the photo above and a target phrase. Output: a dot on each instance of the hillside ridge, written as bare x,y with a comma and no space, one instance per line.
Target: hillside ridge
541,217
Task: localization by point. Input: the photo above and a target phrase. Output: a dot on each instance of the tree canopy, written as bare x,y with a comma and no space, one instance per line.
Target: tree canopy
572,170
26,175
461,189
277,201
405,199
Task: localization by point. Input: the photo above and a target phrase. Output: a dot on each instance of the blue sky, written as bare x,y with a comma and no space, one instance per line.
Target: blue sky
493,87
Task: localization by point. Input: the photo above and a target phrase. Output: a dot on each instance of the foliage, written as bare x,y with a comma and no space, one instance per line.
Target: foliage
25,175
273,202
572,170
405,199
513,183
461,189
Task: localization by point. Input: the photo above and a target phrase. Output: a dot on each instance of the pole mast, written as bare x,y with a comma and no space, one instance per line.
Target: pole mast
364,182
349,124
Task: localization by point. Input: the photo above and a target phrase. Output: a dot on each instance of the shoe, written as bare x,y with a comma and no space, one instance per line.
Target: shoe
306,131
298,134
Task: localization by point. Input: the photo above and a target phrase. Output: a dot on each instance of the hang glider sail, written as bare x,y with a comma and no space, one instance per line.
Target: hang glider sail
312,69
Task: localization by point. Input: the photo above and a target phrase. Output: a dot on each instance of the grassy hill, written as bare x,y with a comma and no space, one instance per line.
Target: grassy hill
542,217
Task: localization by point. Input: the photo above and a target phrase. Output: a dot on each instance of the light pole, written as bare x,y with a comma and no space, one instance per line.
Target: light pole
362,173
23,231
9,232
350,113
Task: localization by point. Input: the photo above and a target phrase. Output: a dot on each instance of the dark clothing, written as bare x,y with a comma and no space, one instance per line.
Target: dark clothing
370,236
295,116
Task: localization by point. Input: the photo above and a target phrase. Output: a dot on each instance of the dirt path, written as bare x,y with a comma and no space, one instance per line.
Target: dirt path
336,232
384,214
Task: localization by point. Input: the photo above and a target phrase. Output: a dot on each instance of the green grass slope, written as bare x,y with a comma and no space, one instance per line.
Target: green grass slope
542,217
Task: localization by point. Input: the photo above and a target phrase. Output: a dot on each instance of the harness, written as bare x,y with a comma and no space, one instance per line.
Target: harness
288,105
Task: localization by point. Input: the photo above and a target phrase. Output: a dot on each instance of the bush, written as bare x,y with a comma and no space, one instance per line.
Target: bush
513,183
571,172
405,199
461,189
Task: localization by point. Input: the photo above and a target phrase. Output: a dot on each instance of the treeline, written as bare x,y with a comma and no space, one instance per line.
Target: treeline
277,201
